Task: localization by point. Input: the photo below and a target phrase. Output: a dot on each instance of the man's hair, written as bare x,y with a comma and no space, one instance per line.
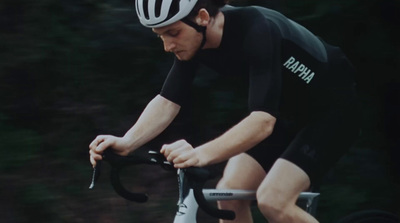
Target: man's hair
212,7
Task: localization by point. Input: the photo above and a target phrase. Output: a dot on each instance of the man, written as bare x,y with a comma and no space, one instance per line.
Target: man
302,101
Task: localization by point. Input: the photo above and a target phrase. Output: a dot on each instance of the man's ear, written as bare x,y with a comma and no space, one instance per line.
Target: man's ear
203,18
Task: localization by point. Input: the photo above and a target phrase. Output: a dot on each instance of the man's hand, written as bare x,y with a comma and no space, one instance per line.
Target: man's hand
103,142
182,154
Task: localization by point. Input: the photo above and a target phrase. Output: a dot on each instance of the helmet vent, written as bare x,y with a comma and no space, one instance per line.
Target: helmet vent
174,8
146,9
158,8
159,13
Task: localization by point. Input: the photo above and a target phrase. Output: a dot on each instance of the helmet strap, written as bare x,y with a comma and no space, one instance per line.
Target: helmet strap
198,28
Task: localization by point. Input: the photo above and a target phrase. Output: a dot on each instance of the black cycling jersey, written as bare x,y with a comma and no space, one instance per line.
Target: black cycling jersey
293,75
288,66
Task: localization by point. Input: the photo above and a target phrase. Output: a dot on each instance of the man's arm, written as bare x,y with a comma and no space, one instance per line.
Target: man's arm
240,138
155,118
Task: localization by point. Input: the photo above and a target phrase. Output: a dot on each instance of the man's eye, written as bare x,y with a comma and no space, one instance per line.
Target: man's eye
173,33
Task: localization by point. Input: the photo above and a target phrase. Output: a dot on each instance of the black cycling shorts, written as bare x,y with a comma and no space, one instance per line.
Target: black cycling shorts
317,146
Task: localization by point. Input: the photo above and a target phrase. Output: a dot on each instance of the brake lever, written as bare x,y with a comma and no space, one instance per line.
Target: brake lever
95,174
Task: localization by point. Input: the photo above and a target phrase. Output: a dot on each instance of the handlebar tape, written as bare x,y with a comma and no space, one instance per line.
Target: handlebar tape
117,163
121,191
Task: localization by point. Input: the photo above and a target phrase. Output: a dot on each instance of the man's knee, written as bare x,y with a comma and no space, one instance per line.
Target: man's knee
272,207
242,172
225,183
231,204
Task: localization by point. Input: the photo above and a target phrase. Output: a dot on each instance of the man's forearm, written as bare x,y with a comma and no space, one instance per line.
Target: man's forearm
240,138
155,118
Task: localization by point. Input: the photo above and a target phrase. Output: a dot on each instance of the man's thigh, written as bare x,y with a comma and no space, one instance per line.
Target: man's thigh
283,183
242,172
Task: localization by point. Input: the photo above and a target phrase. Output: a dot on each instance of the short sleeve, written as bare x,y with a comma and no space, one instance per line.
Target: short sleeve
263,50
177,86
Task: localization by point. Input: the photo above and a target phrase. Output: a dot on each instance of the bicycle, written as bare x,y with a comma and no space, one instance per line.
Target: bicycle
193,196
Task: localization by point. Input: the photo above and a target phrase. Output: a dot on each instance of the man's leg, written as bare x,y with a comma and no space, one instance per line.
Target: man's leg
241,172
279,191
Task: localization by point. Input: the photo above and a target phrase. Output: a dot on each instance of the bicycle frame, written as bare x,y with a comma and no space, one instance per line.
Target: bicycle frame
188,206
191,181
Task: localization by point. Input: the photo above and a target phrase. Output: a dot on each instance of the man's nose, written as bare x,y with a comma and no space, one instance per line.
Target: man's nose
168,45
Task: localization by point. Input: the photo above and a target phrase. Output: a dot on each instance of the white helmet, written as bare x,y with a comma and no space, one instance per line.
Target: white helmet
159,13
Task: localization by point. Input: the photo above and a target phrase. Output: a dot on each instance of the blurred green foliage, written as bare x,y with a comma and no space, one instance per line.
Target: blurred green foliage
70,70
15,140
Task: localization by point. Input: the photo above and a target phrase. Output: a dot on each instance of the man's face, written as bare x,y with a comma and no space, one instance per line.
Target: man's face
180,39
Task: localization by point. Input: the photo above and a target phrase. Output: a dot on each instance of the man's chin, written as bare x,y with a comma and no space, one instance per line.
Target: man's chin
183,56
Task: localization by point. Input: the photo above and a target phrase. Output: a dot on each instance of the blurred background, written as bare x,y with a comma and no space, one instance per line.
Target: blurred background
73,69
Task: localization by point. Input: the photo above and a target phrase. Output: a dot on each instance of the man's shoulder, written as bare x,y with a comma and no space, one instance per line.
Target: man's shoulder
254,18
247,11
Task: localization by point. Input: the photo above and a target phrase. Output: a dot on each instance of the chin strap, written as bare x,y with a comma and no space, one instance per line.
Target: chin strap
198,28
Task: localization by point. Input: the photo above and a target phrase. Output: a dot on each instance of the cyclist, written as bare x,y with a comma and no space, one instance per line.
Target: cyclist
302,102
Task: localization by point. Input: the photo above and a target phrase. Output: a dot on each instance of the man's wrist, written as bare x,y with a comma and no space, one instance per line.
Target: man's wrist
203,158
128,143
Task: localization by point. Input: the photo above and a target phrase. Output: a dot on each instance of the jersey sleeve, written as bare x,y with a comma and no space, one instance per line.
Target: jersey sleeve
177,85
263,50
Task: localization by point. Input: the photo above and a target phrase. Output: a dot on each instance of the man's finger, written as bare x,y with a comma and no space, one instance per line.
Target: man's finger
96,142
176,152
95,155
93,161
103,145
186,164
